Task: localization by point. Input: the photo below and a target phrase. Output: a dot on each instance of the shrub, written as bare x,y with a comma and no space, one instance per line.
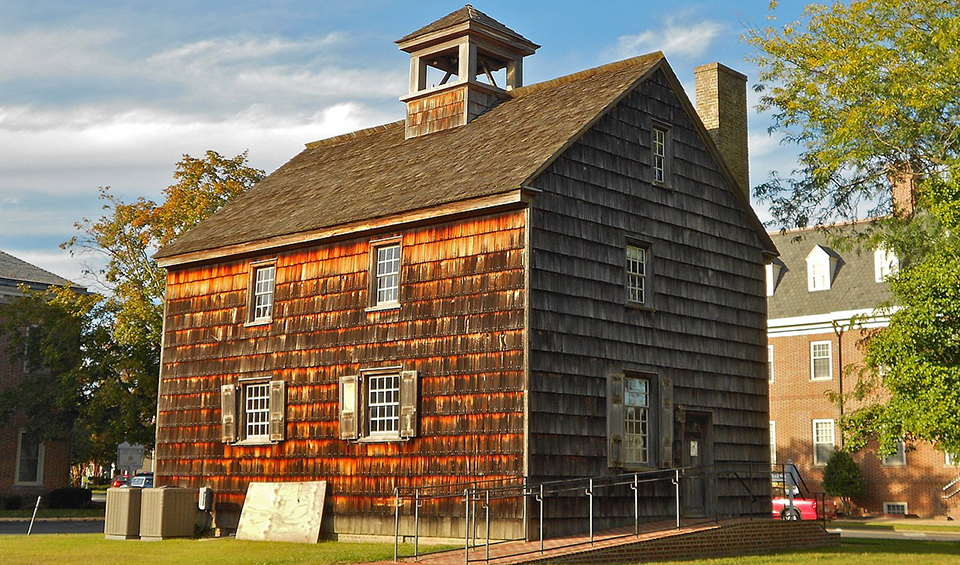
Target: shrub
843,478
69,497
12,502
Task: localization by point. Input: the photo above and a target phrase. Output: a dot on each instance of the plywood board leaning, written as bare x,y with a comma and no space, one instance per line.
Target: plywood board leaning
290,511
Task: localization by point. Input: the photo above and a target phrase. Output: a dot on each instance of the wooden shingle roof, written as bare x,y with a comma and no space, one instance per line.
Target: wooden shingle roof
14,271
376,173
464,15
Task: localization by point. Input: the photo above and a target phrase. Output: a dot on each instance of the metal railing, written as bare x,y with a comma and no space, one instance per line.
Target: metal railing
483,494
955,485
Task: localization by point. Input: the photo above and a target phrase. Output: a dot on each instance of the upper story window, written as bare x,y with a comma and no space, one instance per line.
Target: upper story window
898,458
774,269
821,361
885,264
263,275
637,258
821,266
386,274
659,149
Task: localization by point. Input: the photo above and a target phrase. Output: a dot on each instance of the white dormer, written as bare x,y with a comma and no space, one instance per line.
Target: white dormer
774,269
821,267
885,264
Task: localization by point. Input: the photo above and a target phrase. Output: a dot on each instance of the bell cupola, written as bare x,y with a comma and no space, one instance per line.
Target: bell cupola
460,66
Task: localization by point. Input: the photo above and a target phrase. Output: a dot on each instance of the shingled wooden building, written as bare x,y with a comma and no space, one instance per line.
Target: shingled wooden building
519,282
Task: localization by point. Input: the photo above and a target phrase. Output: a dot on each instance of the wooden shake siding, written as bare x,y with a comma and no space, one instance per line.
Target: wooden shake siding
707,332
460,325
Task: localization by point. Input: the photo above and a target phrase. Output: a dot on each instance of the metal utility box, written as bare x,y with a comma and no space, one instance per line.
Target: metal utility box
167,512
123,513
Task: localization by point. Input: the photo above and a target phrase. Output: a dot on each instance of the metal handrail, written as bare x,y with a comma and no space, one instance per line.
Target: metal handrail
948,486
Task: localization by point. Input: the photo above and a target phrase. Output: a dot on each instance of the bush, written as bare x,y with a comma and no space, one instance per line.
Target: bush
12,502
69,497
843,477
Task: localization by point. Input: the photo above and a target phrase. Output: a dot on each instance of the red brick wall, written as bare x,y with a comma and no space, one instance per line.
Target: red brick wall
761,536
796,400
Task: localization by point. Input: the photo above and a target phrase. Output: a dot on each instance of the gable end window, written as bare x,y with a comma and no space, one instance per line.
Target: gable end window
253,412
659,152
637,272
385,273
821,361
379,405
260,295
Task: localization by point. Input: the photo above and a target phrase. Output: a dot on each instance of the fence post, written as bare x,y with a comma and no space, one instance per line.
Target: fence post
636,505
466,526
416,523
540,499
676,482
590,497
488,525
396,526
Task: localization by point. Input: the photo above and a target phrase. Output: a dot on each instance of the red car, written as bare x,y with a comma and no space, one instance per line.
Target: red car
803,509
119,481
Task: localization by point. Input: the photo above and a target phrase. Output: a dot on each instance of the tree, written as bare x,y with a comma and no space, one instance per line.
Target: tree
865,89
842,477
869,90
101,351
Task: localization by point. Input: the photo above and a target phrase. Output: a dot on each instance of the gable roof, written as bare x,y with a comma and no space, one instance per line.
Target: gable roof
375,173
853,287
467,14
14,271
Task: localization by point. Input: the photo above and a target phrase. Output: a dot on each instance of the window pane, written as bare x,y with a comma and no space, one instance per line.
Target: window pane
636,273
388,274
659,154
28,470
384,403
263,292
257,410
636,420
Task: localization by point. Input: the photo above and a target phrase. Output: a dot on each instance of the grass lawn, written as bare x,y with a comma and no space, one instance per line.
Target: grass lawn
897,527
93,548
853,552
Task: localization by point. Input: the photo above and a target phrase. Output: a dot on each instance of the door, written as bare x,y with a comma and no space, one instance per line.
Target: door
696,458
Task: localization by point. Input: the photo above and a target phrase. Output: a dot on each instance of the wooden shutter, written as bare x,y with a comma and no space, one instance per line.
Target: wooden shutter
278,410
666,422
228,413
408,403
349,396
615,421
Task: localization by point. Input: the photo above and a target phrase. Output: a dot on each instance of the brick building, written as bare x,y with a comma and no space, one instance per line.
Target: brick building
820,303
27,466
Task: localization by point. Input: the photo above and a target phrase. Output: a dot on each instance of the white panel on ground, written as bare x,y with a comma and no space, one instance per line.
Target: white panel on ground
283,512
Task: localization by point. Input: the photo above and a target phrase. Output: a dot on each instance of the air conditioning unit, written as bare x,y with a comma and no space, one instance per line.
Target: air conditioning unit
167,512
122,514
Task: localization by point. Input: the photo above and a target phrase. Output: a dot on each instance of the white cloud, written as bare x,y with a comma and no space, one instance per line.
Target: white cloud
57,53
222,50
674,38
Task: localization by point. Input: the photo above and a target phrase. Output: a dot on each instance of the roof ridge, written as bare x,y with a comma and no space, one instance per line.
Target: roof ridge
579,75
820,227
353,135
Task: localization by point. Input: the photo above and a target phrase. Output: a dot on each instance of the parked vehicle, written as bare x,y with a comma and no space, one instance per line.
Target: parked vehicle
803,509
119,481
142,480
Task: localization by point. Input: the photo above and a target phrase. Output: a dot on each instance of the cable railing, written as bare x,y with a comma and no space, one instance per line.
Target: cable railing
607,492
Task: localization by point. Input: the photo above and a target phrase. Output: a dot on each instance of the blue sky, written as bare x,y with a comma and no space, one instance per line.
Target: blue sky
105,93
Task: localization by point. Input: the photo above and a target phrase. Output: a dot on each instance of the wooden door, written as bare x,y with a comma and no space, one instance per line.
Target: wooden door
696,458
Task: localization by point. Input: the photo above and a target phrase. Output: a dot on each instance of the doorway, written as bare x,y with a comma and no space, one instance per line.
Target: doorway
696,449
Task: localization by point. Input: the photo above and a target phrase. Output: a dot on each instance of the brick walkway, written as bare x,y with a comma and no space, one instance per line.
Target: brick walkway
516,552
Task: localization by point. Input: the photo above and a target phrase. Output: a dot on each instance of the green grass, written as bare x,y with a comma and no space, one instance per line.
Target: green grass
95,512
894,527
93,548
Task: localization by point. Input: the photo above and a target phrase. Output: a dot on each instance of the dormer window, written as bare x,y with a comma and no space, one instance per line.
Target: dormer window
774,269
885,264
821,267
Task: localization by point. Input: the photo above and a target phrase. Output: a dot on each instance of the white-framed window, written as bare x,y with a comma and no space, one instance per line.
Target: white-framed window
897,458
770,376
256,412
821,361
819,276
386,269
636,268
383,404
263,278
658,143
824,441
773,442
951,459
821,264
885,263
29,459
899,508
636,412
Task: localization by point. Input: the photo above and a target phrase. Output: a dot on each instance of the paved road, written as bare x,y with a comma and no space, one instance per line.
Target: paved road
52,527
890,534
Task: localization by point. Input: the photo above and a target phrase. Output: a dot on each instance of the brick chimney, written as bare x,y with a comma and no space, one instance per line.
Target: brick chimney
722,105
466,48
902,189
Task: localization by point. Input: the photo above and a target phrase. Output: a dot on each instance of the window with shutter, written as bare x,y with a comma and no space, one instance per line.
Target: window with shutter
408,403
228,413
615,423
278,410
665,392
349,402
379,405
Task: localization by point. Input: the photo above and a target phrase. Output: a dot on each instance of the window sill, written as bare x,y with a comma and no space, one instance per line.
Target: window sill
660,184
822,379
248,442
381,439
639,306
255,323
383,307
